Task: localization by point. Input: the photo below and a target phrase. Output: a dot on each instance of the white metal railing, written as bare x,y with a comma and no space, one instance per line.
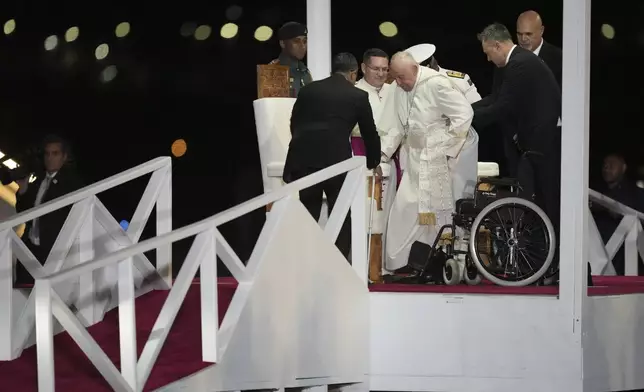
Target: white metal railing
88,225
628,232
207,245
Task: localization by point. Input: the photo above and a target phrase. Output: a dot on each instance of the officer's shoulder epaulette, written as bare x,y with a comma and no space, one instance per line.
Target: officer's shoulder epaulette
276,61
455,74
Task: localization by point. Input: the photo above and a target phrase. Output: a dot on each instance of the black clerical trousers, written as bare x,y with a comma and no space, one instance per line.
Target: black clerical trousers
312,199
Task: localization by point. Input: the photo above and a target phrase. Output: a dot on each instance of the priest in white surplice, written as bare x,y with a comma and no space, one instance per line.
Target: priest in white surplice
432,119
375,68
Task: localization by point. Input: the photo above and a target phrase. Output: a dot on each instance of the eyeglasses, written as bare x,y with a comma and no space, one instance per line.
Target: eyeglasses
376,69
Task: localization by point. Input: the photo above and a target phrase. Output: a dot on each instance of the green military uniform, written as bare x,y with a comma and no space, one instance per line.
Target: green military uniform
299,74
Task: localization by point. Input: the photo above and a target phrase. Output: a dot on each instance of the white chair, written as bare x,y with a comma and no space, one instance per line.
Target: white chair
272,120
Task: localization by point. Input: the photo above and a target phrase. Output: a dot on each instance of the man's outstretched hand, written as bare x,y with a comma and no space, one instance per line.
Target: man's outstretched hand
378,172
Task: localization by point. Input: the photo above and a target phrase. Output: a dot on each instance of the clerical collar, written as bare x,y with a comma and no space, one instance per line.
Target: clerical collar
370,86
507,59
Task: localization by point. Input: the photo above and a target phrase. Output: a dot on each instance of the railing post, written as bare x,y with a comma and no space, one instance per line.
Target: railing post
6,296
359,257
86,301
44,336
127,322
164,225
630,249
209,301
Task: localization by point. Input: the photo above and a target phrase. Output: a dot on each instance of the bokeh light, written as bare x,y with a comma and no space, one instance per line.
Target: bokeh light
203,32
72,34
102,51
229,30
122,30
234,12
51,42
388,29
9,26
263,33
179,148
109,73
608,31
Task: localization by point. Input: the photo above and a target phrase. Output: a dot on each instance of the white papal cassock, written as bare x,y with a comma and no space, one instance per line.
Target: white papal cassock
433,122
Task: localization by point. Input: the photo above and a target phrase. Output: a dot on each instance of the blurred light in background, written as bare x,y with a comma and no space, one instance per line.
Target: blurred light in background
388,29
51,42
188,29
229,30
608,31
102,51
9,26
72,34
203,32
108,74
122,30
263,33
124,224
179,148
234,12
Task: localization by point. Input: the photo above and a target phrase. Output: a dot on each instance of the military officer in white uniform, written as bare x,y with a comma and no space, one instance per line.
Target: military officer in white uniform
424,55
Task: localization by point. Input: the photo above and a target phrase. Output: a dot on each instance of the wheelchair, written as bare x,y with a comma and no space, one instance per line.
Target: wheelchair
497,235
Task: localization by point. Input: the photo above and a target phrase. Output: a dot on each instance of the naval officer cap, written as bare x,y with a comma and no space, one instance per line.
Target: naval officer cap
421,52
291,30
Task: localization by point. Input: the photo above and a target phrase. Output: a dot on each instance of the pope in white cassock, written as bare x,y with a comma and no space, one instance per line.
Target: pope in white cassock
464,173
432,121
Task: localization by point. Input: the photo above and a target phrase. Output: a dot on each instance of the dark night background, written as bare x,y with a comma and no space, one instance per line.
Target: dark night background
170,87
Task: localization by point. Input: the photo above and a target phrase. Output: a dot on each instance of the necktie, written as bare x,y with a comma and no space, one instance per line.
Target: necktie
34,233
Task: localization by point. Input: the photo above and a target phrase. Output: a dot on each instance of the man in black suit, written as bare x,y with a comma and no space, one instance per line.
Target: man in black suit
321,123
56,180
529,103
530,37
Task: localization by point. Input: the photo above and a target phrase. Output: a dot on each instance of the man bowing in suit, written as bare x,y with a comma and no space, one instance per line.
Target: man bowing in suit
323,117
530,37
529,102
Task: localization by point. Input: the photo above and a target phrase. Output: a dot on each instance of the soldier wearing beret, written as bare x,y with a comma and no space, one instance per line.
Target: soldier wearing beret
292,36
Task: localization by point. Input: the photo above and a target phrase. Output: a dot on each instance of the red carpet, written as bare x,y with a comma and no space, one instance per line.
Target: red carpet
180,356
604,285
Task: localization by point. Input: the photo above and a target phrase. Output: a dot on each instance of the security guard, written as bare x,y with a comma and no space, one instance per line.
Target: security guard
424,55
292,36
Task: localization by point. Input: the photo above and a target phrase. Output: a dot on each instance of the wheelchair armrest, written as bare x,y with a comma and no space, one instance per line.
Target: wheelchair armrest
499,181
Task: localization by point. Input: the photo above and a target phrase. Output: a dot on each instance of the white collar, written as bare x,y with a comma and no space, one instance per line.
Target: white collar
366,84
507,59
52,175
538,49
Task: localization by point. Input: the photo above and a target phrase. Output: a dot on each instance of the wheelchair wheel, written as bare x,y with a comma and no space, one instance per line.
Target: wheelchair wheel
451,272
512,242
471,274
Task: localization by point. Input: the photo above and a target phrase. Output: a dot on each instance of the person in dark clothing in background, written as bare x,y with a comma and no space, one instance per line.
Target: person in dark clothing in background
530,37
616,186
55,179
323,117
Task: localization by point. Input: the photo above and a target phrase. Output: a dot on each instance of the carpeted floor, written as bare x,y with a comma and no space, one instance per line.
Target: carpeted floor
604,285
179,357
